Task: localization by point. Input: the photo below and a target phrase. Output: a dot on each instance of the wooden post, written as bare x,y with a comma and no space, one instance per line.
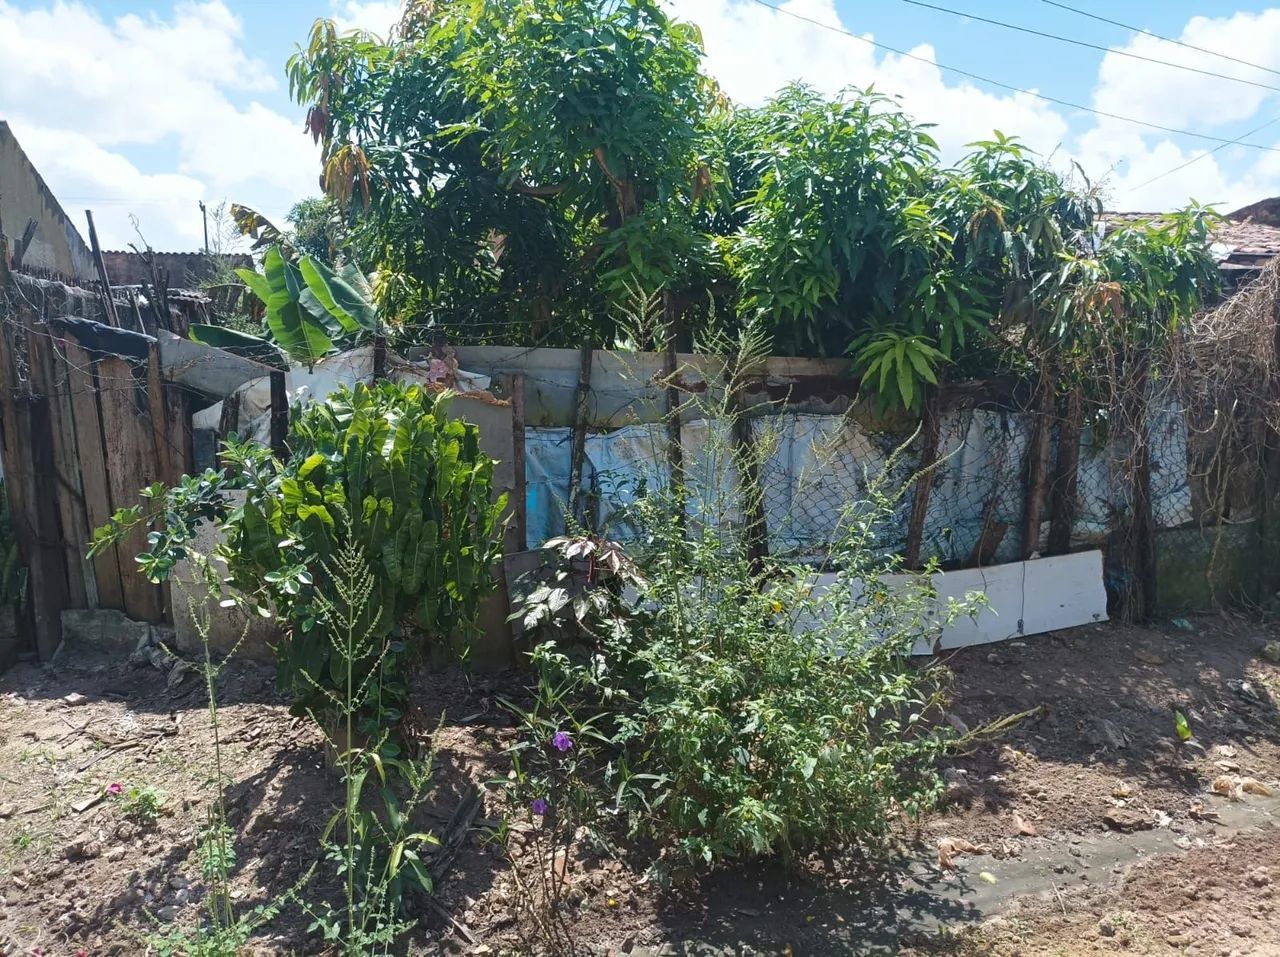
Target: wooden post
578,448
108,305
279,414
931,435
1140,599
379,353
521,509
747,460
1037,467
675,450
1066,477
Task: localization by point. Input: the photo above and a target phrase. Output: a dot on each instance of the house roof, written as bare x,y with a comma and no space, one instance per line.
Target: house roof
186,269
1244,242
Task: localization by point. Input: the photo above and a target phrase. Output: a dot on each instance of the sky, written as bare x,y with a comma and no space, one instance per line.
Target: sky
141,109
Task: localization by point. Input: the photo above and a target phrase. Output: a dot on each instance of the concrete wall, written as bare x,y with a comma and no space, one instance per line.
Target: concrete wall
57,245
1200,569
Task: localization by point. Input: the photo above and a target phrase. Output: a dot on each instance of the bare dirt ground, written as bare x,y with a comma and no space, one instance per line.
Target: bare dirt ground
1094,827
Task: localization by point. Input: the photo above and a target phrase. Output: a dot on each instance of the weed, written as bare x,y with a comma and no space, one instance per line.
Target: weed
377,853
143,804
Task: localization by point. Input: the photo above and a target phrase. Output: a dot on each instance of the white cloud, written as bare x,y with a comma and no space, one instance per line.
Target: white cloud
752,51
375,16
1173,97
92,92
89,176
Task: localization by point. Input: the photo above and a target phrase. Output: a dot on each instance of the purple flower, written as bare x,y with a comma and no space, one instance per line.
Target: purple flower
561,741
115,787
539,806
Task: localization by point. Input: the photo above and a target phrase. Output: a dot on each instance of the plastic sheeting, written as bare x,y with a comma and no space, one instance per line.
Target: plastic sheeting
817,471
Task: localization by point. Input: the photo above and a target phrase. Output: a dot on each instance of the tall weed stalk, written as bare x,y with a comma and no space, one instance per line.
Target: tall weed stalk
370,840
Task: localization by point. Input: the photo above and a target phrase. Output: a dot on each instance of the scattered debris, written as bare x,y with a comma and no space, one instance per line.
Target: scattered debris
1199,812
1271,652
950,847
1234,787
1127,820
1023,826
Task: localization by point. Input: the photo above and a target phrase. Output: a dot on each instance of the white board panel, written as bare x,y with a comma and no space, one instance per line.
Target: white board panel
1022,598
1025,598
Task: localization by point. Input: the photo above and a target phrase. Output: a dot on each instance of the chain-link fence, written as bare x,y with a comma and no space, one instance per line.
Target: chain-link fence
982,504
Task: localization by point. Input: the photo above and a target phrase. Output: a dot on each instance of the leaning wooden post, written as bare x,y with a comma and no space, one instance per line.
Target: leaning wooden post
1037,466
578,448
931,436
1066,477
279,413
108,305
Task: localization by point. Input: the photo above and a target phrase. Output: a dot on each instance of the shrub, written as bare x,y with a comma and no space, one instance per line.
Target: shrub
414,490
729,704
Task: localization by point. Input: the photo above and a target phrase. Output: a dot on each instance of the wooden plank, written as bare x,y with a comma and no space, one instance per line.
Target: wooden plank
158,417
671,408
131,465
14,447
178,430
931,431
47,570
1037,468
206,369
82,392
66,489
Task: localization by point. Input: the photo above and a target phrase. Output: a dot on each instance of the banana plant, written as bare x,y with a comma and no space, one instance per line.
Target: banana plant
311,311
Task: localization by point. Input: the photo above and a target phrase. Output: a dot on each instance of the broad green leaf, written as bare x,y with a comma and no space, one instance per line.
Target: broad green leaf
237,343
352,311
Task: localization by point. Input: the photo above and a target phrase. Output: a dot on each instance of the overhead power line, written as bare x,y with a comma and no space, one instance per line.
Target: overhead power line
1207,153
1157,36
1016,89
1091,46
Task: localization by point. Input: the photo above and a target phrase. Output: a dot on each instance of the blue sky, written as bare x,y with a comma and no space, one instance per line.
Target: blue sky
144,107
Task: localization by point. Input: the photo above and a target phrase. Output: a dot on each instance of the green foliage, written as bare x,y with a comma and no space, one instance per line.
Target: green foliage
384,464
143,803
238,343
724,704
372,845
512,169
897,366
508,164
319,229
311,311
834,234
